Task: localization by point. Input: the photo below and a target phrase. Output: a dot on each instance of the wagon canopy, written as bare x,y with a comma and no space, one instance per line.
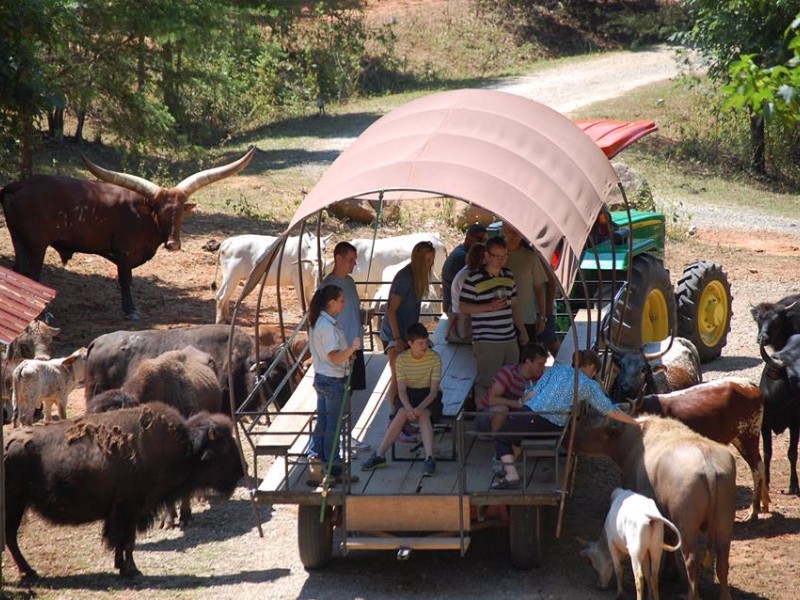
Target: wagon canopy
523,161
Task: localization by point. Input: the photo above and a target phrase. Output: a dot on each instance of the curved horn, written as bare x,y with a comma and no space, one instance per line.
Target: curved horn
193,183
768,359
146,188
655,355
785,308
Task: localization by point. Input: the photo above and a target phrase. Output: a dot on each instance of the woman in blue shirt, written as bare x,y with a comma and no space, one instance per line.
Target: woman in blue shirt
548,406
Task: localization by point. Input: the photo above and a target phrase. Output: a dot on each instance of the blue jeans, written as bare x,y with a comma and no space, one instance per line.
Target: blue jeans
330,394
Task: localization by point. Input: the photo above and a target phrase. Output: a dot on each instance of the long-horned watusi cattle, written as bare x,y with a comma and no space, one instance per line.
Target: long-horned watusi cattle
38,383
728,411
122,218
114,357
780,385
691,478
185,379
652,371
35,342
120,467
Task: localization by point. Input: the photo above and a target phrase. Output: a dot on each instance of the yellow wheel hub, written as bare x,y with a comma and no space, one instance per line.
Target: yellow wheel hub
712,313
655,318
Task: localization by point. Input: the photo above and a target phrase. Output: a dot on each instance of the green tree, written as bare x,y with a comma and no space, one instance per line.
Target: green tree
723,31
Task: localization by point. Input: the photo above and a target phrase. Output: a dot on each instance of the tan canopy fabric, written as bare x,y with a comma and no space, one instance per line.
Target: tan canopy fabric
515,157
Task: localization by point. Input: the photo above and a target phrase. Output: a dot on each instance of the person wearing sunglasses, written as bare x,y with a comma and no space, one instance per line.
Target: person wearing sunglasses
489,296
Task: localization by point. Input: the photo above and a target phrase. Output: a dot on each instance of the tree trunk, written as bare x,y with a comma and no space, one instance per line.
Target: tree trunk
26,144
79,126
757,145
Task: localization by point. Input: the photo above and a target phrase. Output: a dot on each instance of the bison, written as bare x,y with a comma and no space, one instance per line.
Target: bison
121,467
122,218
114,357
184,379
728,411
691,478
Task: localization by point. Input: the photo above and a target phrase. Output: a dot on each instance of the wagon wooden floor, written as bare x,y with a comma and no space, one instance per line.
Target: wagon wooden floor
286,479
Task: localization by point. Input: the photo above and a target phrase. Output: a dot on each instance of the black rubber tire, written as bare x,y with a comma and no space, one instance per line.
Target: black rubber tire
526,532
705,308
314,539
649,278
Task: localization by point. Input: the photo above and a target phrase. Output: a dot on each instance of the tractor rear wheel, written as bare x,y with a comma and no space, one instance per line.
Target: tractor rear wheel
649,314
705,308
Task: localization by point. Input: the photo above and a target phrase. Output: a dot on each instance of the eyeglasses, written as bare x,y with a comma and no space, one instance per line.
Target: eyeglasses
503,256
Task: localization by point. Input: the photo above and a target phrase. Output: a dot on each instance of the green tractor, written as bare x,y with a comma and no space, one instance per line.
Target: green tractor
628,250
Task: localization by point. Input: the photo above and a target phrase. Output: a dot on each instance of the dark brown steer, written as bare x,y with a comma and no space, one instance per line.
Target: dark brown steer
691,478
728,411
121,467
122,218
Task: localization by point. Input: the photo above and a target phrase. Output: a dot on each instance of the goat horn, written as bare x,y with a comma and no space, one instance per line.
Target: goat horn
193,183
655,355
142,186
584,543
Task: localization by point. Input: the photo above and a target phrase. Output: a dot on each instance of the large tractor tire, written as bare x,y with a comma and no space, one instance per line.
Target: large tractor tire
649,314
705,308
314,538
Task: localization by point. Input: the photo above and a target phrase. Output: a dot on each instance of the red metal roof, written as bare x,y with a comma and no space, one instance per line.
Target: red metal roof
21,301
614,136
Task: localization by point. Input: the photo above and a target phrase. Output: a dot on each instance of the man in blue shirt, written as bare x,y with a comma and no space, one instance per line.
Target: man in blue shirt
548,407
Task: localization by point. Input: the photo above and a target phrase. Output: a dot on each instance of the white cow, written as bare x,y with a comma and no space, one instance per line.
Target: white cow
634,527
391,251
240,253
36,382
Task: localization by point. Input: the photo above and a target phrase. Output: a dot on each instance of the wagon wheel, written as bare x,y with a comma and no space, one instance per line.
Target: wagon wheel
705,308
526,529
314,538
650,312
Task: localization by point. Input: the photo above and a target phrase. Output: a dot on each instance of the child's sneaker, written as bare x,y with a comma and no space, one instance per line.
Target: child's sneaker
429,467
407,435
376,461
498,467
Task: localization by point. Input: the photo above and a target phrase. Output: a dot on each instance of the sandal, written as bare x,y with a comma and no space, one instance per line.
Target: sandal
506,484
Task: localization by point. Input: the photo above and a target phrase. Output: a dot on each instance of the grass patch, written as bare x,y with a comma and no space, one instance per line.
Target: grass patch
687,162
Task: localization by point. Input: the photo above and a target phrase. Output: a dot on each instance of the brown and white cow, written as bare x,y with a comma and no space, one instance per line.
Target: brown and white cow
728,411
691,478
122,218
120,467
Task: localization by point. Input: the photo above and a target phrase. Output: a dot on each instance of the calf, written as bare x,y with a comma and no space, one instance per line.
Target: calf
239,254
634,527
35,342
728,411
780,384
691,478
45,382
184,379
120,467
650,371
